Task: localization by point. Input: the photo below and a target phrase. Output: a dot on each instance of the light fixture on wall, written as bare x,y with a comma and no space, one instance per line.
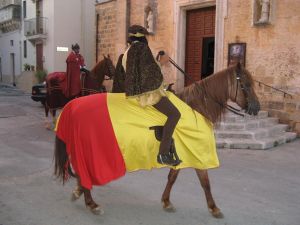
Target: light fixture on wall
62,49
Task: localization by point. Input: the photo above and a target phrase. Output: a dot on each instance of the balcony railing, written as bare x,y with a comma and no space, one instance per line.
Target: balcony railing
10,18
36,27
5,3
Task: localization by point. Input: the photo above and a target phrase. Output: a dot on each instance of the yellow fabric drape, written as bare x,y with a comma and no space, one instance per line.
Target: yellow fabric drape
194,136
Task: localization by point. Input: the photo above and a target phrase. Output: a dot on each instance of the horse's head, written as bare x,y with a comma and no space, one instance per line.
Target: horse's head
242,90
109,67
103,68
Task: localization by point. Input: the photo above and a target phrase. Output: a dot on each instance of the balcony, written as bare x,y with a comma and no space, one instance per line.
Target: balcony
10,18
5,3
35,29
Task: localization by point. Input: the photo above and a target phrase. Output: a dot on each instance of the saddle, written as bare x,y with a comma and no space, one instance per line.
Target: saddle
158,132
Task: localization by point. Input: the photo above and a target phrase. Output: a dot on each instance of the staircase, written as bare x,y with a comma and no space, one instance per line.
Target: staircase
252,132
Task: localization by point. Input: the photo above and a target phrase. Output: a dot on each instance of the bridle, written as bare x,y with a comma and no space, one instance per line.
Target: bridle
110,75
228,107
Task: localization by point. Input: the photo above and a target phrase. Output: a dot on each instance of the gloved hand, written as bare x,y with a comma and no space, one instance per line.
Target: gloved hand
83,69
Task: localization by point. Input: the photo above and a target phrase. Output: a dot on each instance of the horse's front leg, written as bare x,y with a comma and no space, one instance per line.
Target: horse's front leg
165,199
51,125
204,180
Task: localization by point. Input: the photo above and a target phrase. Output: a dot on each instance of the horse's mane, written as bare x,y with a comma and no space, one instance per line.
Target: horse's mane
210,95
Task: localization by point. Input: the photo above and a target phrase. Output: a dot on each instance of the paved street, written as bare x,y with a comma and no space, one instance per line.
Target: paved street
251,187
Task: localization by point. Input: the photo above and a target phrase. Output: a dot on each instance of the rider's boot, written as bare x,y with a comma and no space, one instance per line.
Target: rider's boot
166,155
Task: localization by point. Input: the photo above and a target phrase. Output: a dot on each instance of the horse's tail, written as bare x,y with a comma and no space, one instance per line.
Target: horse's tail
62,169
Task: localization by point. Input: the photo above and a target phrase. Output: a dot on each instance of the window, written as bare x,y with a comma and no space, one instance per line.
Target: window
11,42
25,49
24,9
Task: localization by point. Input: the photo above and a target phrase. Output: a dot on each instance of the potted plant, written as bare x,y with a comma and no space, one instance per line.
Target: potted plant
40,75
26,67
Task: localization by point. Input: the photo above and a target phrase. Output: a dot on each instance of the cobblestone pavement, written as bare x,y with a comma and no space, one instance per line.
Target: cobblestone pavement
251,187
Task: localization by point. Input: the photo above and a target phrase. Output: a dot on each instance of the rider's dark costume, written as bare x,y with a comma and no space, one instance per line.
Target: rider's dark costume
119,77
144,81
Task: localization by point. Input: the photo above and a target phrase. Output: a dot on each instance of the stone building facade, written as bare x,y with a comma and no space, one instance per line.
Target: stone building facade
199,34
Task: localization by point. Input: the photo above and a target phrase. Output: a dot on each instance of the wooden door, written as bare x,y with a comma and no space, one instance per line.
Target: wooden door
200,33
39,56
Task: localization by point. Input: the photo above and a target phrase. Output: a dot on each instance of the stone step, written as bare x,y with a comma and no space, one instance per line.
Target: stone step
231,117
252,134
261,144
249,125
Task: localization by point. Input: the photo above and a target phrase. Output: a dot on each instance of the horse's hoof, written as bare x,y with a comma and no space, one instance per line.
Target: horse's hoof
216,213
48,126
96,210
168,207
76,195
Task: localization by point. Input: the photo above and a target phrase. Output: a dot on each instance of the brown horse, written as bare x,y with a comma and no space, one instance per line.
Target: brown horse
208,97
91,83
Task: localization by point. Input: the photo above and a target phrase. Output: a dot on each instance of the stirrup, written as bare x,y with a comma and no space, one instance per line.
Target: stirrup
173,159
167,159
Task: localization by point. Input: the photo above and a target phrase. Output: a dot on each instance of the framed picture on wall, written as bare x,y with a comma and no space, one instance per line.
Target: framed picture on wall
237,53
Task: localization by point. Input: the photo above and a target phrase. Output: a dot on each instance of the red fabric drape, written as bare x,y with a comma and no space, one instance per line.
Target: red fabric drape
85,127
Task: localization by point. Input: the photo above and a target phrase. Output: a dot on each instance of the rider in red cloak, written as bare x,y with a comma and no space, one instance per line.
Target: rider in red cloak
75,63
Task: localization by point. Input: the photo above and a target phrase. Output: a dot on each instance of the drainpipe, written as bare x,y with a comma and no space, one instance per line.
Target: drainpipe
127,18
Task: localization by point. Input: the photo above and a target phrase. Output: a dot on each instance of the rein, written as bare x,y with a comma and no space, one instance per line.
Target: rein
228,107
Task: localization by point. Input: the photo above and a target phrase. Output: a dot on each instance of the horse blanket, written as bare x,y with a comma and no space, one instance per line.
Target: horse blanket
108,134
59,77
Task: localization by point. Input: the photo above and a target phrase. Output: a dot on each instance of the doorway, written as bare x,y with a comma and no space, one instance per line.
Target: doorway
39,56
208,55
200,43
13,71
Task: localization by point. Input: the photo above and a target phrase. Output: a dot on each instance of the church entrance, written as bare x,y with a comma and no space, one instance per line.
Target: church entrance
200,43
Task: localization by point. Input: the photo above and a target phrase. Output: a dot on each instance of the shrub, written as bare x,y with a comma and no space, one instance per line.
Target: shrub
40,75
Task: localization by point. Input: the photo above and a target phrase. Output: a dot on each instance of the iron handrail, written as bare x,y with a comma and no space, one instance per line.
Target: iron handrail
277,89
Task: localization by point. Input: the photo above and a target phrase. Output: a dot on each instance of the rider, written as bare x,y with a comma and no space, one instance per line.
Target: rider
75,63
144,82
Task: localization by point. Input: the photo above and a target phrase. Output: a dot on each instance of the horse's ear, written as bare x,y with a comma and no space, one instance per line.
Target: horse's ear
108,56
104,56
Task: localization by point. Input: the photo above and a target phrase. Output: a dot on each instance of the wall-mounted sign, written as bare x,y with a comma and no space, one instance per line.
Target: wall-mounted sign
237,53
62,49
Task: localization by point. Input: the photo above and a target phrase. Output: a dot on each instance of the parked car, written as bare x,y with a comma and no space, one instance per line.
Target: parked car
38,92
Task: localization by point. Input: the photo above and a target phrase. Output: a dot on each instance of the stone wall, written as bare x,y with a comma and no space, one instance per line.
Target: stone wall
272,54
26,80
107,27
